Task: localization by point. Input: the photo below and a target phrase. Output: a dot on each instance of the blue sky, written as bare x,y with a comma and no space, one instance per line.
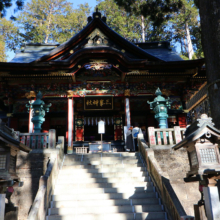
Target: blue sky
10,11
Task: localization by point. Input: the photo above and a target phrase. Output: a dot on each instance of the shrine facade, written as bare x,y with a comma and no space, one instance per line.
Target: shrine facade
97,74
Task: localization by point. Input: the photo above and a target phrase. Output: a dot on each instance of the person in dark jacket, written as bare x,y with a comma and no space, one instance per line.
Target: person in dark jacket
129,145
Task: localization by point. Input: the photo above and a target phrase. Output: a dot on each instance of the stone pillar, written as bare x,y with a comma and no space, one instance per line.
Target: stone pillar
127,113
30,123
70,125
2,206
212,202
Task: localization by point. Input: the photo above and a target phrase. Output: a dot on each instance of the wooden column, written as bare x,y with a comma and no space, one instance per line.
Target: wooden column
70,125
127,113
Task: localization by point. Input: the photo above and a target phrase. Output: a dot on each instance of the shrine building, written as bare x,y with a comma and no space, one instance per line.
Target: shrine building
98,74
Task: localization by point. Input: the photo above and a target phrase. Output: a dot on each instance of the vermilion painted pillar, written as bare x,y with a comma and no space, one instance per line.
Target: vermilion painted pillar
30,123
70,125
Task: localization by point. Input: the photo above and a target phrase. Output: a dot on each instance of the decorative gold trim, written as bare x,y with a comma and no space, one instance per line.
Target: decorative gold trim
70,94
127,92
97,109
200,88
198,102
30,95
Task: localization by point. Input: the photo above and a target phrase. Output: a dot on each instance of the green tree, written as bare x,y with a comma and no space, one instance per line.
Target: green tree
50,21
132,27
9,34
5,4
2,50
157,10
119,20
185,26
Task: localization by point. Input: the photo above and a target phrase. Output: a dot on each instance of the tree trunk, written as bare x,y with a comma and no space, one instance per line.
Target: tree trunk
142,28
210,23
189,42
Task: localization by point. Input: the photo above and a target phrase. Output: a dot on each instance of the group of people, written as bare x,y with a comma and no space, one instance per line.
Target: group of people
131,143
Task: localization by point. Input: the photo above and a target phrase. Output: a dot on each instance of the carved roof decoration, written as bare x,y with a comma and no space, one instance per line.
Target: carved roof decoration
99,42
203,127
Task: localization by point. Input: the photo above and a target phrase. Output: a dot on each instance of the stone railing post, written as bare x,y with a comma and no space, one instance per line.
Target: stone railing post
52,138
2,206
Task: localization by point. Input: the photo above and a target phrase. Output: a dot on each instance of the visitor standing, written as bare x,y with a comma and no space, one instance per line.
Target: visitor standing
136,130
129,145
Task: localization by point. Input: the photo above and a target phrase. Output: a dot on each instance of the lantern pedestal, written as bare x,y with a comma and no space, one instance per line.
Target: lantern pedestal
212,202
2,206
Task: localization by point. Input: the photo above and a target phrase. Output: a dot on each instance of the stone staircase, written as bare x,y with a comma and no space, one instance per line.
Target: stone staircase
104,186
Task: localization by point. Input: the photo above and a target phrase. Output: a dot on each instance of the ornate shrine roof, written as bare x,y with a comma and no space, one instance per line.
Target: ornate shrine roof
97,54
32,51
98,39
161,50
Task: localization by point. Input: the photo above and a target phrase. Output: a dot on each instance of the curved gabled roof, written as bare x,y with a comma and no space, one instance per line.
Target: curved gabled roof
94,23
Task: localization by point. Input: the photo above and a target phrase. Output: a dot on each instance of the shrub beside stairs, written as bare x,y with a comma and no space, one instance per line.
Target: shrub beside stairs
105,186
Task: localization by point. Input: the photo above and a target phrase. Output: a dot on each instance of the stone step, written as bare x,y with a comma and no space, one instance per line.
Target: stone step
150,216
100,196
102,203
118,216
100,162
102,185
84,158
90,166
115,216
74,179
77,169
101,175
98,155
68,189
105,209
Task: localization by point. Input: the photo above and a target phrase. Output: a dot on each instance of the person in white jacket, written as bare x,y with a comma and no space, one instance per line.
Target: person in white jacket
136,130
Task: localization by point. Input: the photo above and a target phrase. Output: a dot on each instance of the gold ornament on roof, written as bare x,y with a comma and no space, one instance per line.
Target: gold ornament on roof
127,92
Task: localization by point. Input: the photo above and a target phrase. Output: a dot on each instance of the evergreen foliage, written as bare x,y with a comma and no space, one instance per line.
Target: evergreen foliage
129,25
55,21
173,19
158,10
5,4
9,34
2,50
51,21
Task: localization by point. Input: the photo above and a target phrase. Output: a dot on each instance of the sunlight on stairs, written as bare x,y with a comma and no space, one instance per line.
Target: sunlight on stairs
105,186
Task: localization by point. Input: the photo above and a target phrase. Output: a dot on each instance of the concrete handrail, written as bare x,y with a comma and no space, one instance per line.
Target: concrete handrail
38,210
47,184
161,181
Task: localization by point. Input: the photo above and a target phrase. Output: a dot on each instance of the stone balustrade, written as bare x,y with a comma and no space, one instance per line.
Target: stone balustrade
47,183
38,140
165,136
172,205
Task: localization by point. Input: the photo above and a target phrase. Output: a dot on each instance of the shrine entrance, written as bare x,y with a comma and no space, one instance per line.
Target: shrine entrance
86,127
91,128
90,110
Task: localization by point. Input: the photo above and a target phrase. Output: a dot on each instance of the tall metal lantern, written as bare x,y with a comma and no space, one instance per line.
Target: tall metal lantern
39,108
160,106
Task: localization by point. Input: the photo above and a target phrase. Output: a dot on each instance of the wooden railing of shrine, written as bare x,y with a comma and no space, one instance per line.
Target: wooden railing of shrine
38,140
165,136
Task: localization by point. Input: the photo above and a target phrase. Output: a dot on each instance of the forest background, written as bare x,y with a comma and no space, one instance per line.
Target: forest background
55,21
